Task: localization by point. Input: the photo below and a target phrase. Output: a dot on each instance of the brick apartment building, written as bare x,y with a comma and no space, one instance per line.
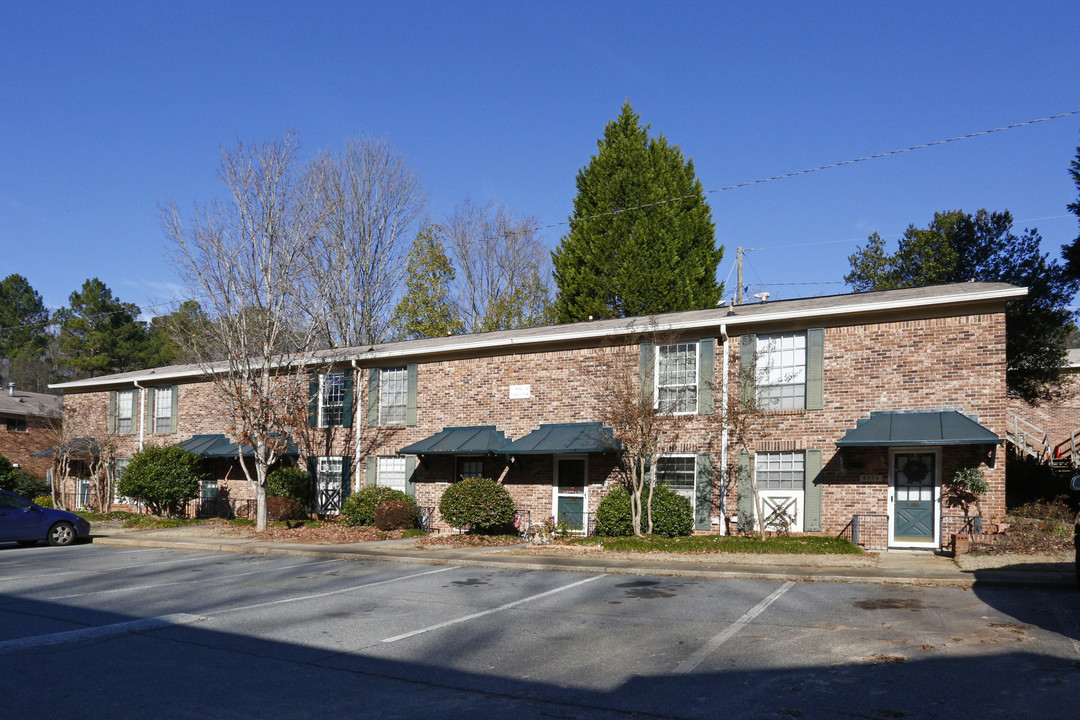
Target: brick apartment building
872,401
27,422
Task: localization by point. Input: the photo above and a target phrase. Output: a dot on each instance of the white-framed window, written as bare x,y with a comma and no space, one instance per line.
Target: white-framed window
390,472
82,491
781,477
781,371
677,377
469,466
331,399
781,470
329,483
678,472
163,410
119,466
208,489
125,412
393,395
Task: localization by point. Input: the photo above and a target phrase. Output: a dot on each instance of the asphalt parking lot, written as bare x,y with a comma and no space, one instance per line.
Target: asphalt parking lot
139,632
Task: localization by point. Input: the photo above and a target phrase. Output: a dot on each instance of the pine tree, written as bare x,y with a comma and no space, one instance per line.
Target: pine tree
99,334
426,309
641,237
24,334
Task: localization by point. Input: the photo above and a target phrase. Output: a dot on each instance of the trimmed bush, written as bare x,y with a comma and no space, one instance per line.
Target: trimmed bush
44,501
283,508
395,515
359,508
480,504
19,481
163,478
291,482
673,515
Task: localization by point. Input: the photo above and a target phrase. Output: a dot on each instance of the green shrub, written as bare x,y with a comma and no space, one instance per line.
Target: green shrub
19,481
283,508
480,504
44,501
359,508
673,514
163,478
395,515
291,482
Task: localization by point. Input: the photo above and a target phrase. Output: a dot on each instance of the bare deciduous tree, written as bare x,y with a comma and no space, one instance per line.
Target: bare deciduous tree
503,270
243,260
644,425
369,201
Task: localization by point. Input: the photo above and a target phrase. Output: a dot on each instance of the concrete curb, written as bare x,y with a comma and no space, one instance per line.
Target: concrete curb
482,558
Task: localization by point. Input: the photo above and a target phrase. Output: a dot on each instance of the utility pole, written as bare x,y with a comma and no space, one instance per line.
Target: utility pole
738,289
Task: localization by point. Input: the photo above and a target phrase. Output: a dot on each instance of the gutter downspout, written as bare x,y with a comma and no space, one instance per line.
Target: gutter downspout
142,412
357,388
724,434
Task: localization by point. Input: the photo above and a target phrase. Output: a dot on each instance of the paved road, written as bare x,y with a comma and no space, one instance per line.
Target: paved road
112,632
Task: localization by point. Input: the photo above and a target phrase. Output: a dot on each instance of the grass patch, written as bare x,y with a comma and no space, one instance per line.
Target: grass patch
725,544
154,522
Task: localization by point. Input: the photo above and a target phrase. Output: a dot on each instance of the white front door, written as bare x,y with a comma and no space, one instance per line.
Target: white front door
328,486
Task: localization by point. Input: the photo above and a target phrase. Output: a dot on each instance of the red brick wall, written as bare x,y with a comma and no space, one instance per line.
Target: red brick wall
954,362
18,446
1058,419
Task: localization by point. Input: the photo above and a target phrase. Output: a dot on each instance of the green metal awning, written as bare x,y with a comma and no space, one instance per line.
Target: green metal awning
917,427
77,448
219,446
475,440
591,437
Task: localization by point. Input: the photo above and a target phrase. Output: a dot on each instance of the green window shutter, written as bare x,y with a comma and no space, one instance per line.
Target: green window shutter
175,390
313,480
812,492
706,371
703,492
748,368
410,480
112,411
373,398
370,469
346,478
646,372
347,409
150,411
746,492
313,399
815,369
410,408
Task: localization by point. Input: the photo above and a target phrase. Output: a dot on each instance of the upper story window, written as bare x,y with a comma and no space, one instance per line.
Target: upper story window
393,395
332,399
780,470
125,412
781,371
677,378
163,411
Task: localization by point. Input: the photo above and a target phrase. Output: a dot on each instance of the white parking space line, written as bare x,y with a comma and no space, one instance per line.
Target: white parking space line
690,664
225,579
98,571
97,633
430,628
332,592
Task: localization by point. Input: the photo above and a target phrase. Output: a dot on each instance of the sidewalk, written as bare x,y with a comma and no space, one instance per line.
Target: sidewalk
893,567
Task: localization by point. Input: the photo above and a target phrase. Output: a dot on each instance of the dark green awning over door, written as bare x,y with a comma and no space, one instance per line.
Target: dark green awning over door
591,437
474,440
898,428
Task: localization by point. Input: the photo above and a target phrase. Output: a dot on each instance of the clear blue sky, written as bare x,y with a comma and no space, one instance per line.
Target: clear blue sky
108,108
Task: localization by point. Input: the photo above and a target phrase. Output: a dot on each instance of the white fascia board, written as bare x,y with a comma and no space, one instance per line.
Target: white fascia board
632,327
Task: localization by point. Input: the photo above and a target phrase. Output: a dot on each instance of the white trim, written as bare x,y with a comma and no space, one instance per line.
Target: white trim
633,326
555,488
936,452
697,375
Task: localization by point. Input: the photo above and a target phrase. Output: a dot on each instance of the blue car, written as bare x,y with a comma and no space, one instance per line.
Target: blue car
28,523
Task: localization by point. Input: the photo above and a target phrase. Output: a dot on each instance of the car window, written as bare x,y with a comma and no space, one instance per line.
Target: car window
11,502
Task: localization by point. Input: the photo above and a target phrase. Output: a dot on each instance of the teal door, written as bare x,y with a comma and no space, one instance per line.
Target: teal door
915,485
570,492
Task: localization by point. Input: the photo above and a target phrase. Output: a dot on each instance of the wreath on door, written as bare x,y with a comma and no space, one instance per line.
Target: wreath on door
915,471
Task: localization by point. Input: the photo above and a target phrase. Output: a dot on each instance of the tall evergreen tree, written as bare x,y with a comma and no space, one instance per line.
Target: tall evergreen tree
957,247
1071,252
641,237
427,310
24,334
99,334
